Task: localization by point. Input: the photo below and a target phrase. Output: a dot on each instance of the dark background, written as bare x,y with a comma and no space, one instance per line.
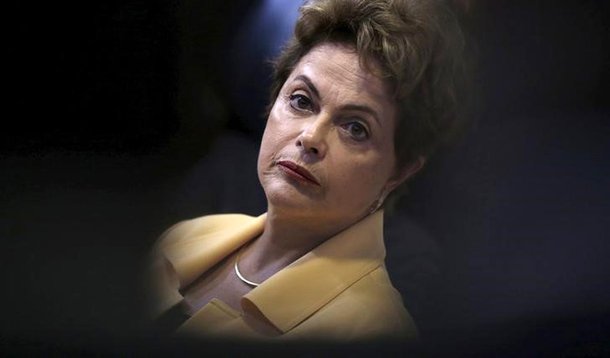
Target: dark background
122,118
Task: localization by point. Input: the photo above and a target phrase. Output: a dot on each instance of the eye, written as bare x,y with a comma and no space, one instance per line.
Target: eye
300,102
356,130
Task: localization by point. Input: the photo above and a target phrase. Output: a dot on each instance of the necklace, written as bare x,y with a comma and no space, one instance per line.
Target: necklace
242,278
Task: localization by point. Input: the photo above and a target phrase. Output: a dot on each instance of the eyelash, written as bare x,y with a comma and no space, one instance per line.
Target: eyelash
294,100
348,126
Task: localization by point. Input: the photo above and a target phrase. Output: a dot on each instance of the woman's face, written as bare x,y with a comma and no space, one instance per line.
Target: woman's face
328,149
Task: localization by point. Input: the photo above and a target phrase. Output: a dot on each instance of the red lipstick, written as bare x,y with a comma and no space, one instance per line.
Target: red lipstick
297,171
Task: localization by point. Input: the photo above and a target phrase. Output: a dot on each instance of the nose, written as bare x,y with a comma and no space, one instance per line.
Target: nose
313,137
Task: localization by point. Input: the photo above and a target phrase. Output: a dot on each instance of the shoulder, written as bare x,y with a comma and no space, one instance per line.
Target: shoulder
189,248
200,226
380,306
371,308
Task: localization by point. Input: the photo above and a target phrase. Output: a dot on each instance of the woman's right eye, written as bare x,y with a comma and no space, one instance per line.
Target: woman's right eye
300,102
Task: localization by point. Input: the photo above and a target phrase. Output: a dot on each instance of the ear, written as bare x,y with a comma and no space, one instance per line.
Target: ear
405,173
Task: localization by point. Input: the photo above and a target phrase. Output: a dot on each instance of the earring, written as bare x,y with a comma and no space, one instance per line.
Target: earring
378,203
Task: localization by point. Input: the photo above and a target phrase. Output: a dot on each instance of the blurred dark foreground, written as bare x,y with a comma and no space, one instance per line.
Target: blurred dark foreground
125,117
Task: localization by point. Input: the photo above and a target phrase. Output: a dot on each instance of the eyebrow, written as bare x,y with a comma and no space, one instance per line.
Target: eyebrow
366,109
309,84
349,107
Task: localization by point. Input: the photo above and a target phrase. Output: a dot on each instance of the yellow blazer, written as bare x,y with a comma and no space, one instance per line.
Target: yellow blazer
338,291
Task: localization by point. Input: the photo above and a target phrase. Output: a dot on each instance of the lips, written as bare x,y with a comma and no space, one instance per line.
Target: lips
297,171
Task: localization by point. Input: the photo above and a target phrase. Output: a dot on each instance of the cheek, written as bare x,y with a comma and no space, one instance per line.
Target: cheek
266,151
280,129
272,140
360,179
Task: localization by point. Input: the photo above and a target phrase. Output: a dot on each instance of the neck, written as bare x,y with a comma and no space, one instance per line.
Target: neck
283,241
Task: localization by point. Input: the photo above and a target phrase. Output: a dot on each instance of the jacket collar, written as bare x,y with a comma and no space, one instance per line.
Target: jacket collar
316,278
302,287
195,246
192,247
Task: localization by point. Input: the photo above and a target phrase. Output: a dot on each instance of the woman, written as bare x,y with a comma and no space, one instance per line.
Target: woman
361,96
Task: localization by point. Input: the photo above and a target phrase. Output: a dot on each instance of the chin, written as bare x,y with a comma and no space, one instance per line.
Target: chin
284,197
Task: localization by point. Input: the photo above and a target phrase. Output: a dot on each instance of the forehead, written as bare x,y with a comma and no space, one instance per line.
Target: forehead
338,65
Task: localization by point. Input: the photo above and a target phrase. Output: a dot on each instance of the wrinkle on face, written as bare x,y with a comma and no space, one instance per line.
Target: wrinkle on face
352,174
351,80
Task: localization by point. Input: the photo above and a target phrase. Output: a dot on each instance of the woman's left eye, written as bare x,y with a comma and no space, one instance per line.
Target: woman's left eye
356,130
